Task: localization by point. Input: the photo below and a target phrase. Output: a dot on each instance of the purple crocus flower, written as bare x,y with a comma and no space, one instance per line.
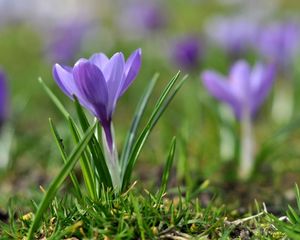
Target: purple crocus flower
235,35
142,17
150,16
186,53
244,90
279,43
3,98
98,83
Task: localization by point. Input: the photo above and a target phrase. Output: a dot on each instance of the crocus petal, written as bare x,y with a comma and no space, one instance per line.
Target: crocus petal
99,59
256,77
114,75
264,77
220,89
64,79
91,83
132,67
239,78
81,60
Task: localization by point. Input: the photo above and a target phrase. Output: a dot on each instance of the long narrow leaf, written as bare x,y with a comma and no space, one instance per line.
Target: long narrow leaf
161,106
167,170
85,163
136,121
82,117
167,89
55,100
292,215
57,182
64,157
297,196
103,175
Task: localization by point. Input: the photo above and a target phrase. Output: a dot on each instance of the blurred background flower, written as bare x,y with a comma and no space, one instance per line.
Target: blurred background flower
244,90
65,41
187,53
235,35
141,18
279,43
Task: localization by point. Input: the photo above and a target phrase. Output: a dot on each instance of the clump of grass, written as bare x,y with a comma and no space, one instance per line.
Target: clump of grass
136,215
290,224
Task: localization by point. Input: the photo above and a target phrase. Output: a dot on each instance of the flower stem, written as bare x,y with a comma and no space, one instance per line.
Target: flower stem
247,147
283,103
111,155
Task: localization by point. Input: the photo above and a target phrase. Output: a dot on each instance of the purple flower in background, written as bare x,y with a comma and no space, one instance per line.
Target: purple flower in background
142,17
279,43
244,90
98,83
186,53
3,98
235,35
151,16
66,40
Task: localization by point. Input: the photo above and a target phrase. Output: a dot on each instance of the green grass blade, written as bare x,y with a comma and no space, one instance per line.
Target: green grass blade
167,170
139,216
272,145
161,106
57,182
84,123
64,157
85,164
99,162
136,121
297,196
292,215
55,100
167,89
291,231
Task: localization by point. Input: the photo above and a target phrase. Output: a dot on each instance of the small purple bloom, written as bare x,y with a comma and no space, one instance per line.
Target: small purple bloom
142,17
3,98
244,90
279,43
235,35
150,16
98,83
186,53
